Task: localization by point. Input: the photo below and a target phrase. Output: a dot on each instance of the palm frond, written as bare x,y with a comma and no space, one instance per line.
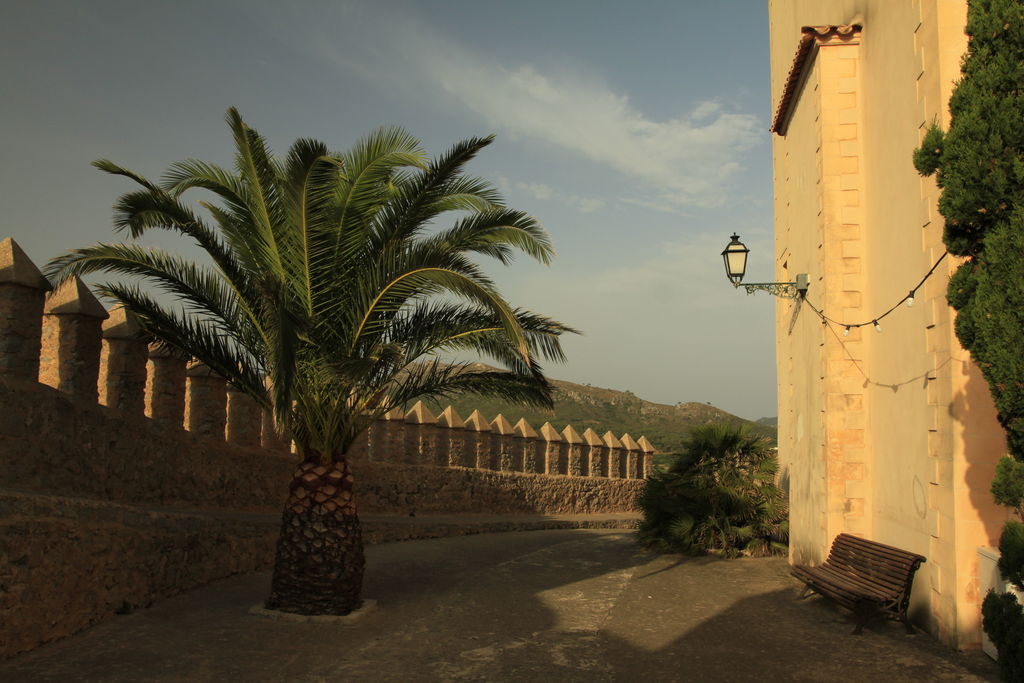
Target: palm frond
373,172
435,279
437,379
204,291
191,336
109,166
716,481
422,198
490,231
257,173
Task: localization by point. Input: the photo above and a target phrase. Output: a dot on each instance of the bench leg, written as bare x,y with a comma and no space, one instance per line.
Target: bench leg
906,624
864,611
804,593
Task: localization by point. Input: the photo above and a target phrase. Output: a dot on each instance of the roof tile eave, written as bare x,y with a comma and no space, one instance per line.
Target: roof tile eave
809,36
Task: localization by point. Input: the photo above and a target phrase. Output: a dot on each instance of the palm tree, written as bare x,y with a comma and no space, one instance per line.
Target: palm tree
329,295
719,496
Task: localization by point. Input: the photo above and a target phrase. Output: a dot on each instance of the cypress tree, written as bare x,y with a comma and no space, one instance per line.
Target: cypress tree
979,164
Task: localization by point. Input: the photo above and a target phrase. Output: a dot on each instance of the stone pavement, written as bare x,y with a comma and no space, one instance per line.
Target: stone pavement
562,605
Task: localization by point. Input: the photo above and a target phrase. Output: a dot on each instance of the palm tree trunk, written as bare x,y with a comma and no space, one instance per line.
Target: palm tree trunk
319,563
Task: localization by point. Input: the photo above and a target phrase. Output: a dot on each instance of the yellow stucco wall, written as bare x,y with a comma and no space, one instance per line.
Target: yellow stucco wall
888,435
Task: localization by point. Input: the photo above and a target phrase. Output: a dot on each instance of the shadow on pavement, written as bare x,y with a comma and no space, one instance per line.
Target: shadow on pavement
573,605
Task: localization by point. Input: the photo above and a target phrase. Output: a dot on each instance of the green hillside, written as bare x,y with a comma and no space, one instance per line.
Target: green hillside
583,406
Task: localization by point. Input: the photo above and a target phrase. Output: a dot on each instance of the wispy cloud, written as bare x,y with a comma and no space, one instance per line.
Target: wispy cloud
536,190
688,160
546,193
691,159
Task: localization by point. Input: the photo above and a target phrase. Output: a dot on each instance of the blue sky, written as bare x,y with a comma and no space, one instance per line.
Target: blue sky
637,133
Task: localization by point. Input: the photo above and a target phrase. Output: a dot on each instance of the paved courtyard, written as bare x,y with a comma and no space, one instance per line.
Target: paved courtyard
566,605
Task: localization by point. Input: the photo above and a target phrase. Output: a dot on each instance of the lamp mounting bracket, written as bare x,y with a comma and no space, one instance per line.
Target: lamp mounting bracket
783,290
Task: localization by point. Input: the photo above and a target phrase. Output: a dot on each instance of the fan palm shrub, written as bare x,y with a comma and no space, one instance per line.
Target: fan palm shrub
719,496
330,291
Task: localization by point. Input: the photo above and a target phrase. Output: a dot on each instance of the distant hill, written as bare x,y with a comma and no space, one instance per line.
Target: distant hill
772,422
584,406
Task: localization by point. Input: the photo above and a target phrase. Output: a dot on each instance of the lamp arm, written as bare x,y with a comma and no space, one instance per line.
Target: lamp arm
783,290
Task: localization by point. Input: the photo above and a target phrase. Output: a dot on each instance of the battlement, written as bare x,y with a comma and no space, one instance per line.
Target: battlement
67,340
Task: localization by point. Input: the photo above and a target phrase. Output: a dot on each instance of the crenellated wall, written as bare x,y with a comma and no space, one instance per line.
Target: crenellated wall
128,474
68,341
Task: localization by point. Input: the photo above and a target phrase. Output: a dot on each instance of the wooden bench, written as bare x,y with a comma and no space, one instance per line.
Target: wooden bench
867,577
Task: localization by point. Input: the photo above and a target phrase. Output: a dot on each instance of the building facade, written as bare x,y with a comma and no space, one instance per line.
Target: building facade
887,433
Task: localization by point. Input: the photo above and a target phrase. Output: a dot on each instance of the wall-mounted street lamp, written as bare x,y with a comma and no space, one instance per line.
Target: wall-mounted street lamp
735,257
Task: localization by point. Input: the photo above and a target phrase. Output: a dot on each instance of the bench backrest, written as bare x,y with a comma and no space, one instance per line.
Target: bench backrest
883,565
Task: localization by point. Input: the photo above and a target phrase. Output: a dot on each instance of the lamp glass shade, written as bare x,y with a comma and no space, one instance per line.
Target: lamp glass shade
735,257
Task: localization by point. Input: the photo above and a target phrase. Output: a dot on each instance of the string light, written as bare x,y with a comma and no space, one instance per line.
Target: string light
909,299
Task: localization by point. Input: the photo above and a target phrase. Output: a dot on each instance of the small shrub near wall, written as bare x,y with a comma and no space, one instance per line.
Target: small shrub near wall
719,496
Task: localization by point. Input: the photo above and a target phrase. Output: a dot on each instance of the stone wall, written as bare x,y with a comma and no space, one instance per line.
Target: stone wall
67,563
127,474
55,445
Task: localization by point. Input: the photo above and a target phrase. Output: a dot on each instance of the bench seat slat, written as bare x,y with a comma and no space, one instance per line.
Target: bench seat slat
844,597
859,580
850,584
860,549
894,557
880,547
859,558
896,582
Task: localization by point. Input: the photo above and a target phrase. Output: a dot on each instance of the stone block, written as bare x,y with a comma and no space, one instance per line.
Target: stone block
22,293
847,85
71,340
124,356
244,419
165,386
851,215
269,438
205,402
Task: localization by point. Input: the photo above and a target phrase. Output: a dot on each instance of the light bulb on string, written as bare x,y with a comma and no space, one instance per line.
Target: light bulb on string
909,299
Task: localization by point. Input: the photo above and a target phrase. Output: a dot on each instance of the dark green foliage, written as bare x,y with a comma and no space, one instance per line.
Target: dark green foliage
1011,554
1008,484
926,158
718,497
979,164
996,315
962,285
1003,621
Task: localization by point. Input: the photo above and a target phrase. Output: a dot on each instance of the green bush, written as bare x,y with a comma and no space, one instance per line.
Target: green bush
1003,621
928,156
719,496
1008,484
1011,553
